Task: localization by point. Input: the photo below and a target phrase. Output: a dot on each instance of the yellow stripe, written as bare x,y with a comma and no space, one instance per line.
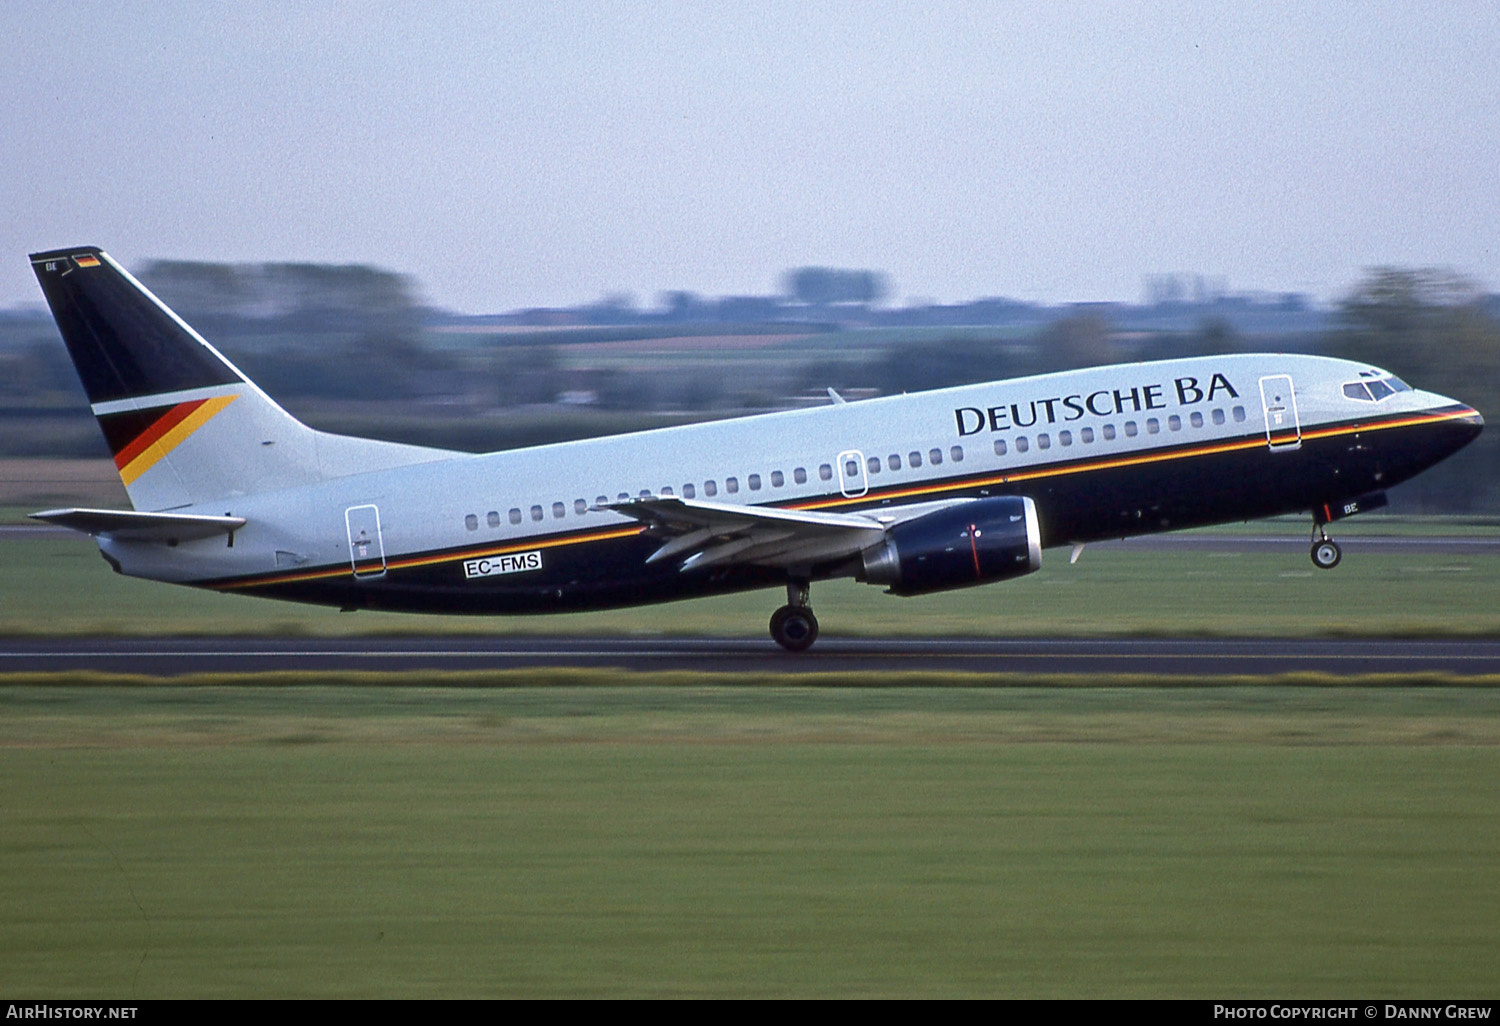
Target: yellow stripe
173,438
1124,461
527,546
449,557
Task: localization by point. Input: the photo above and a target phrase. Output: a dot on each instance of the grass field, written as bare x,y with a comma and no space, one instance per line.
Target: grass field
281,837
60,586
645,841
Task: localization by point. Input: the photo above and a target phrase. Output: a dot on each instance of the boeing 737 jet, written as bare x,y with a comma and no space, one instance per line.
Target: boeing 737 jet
918,493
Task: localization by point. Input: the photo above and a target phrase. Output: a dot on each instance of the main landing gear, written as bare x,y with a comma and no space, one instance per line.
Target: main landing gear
1325,551
793,625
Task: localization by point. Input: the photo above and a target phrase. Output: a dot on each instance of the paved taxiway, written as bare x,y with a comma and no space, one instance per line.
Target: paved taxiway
1158,657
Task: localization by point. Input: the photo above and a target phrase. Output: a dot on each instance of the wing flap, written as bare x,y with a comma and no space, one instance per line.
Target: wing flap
703,534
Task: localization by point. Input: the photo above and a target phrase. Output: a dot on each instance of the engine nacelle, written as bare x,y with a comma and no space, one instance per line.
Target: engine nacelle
973,543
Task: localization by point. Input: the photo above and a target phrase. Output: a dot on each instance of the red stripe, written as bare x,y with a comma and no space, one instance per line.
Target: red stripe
147,438
974,548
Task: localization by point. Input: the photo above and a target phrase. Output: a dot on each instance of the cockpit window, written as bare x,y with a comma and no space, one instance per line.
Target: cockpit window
1374,387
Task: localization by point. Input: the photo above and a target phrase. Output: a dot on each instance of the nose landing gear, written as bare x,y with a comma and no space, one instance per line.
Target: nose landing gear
1325,551
793,626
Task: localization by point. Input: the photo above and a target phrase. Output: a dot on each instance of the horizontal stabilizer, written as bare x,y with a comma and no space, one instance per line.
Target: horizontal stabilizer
133,526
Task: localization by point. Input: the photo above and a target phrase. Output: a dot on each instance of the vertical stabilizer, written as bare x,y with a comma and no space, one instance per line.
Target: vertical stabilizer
183,424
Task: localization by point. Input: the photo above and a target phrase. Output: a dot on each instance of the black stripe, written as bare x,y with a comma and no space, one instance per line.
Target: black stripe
124,427
122,344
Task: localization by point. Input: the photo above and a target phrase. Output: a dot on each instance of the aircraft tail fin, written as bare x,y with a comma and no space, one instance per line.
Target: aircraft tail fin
183,424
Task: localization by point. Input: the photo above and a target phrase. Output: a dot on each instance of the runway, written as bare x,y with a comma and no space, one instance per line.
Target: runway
1168,658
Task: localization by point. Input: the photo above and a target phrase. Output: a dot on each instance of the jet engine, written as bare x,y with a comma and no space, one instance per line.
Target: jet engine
973,543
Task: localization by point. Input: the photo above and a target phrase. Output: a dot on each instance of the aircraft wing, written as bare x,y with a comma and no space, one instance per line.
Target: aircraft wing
704,534
136,526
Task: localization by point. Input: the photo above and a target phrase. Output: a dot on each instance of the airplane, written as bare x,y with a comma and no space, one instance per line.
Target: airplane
918,493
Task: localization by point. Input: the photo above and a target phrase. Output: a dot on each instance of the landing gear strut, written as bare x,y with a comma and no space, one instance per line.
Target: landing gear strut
1325,551
793,625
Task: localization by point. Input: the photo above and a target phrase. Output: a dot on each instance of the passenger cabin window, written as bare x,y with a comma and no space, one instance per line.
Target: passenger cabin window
935,457
1153,426
559,510
1043,441
514,515
685,493
580,507
1065,438
777,479
914,459
1196,419
1086,435
688,492
1131,430
1022,444
1174,422
825,473
893,461
754,481
471,522
1218,416
1109,432
602,500
999,447
957,453
732,485
536,513
1239,414
852,470
799,475
710,489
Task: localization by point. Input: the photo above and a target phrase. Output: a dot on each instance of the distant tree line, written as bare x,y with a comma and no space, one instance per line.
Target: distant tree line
351,347
825,286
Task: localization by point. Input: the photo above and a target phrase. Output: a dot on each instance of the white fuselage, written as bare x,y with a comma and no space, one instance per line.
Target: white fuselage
894,451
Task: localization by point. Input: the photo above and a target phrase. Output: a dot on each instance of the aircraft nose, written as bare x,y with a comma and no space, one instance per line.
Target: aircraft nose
1465,423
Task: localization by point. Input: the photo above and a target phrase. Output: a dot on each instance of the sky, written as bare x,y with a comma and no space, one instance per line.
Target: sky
509,155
